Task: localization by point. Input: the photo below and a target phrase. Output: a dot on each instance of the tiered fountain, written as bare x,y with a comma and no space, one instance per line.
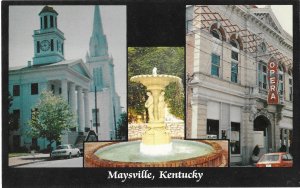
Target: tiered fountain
156,149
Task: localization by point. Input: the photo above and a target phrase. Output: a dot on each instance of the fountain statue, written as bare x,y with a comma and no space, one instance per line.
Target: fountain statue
156,137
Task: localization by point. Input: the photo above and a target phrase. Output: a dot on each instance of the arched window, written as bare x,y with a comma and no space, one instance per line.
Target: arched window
215,33
234,43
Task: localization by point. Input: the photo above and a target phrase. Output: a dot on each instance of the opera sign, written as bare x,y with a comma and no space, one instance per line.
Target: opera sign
273,97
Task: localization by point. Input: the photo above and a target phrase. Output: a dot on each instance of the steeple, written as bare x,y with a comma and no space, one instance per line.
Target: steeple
98,43
48,40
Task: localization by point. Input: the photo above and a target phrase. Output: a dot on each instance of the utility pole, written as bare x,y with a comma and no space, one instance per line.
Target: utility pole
115,121
96,113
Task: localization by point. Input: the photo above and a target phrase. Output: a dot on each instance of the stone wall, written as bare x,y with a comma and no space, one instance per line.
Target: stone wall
135,131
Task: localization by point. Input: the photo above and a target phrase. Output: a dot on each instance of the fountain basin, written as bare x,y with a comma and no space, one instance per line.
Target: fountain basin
184,154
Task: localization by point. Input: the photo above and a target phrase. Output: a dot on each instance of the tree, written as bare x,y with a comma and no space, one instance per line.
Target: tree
122,130
167,60
51,117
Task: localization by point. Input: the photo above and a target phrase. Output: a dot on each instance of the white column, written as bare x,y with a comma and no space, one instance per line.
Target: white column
194,128
86,108
80,114
43,86
64,89
72,97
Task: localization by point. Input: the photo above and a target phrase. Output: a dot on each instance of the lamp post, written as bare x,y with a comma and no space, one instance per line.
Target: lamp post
96,113
115,120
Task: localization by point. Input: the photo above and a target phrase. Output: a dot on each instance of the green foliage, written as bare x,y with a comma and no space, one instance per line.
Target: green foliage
122,131
51,117
167,60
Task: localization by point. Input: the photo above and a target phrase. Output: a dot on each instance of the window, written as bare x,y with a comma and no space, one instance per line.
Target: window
213,128
234,55
55,22
34,89
16,90
234,72
41,23
215,34
45,22
52,45
280,80
94,117
62,48
16,116
59,91
234,43
262,75
38,46
52,88
290,86
215,65
235,146
51,21
98,77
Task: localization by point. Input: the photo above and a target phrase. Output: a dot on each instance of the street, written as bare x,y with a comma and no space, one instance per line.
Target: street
57,163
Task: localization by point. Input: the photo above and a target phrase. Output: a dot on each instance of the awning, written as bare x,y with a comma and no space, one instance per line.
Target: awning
286,123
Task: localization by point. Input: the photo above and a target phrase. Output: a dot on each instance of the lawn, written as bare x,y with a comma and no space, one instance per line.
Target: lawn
18,154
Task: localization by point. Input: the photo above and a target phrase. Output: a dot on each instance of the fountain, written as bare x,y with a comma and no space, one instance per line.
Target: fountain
156,148
156,137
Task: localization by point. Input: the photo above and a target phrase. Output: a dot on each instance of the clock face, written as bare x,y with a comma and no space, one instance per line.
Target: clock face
45,45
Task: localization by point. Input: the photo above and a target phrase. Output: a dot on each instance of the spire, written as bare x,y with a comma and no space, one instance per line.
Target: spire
97,25
98,43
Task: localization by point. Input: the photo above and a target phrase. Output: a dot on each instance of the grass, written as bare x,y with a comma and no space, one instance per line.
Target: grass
18,154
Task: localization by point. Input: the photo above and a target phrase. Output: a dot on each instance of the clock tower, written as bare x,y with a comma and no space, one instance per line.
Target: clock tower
48,40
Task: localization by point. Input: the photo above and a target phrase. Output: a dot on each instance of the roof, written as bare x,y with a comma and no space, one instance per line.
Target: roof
76,65
48,9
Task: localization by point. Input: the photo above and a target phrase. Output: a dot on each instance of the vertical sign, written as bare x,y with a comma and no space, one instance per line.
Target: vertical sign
273,82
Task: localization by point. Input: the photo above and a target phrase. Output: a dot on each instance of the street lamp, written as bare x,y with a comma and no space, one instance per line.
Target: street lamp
96,114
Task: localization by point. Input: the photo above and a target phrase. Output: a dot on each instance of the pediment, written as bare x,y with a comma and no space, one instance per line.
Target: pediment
81,69
267,16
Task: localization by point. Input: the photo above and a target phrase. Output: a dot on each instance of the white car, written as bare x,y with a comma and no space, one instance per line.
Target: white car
66,150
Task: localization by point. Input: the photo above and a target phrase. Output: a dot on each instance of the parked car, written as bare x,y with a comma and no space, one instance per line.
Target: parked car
279,159
66,150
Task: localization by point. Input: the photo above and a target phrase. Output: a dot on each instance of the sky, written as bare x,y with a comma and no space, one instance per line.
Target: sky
284,14
76,22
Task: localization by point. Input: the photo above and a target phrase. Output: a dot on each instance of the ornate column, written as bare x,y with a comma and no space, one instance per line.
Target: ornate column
80,110
86,108
64,89
72,101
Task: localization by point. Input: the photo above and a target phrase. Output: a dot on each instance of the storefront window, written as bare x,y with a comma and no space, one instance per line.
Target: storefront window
212,128
235,146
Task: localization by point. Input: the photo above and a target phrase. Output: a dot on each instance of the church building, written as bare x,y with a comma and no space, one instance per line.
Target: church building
73,80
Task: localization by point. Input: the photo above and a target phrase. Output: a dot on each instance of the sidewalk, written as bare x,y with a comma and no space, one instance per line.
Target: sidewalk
22,160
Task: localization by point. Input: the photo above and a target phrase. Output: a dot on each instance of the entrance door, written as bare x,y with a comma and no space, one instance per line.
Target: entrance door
16,142
261,123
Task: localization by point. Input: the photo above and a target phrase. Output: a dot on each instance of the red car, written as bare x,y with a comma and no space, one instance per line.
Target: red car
279,159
